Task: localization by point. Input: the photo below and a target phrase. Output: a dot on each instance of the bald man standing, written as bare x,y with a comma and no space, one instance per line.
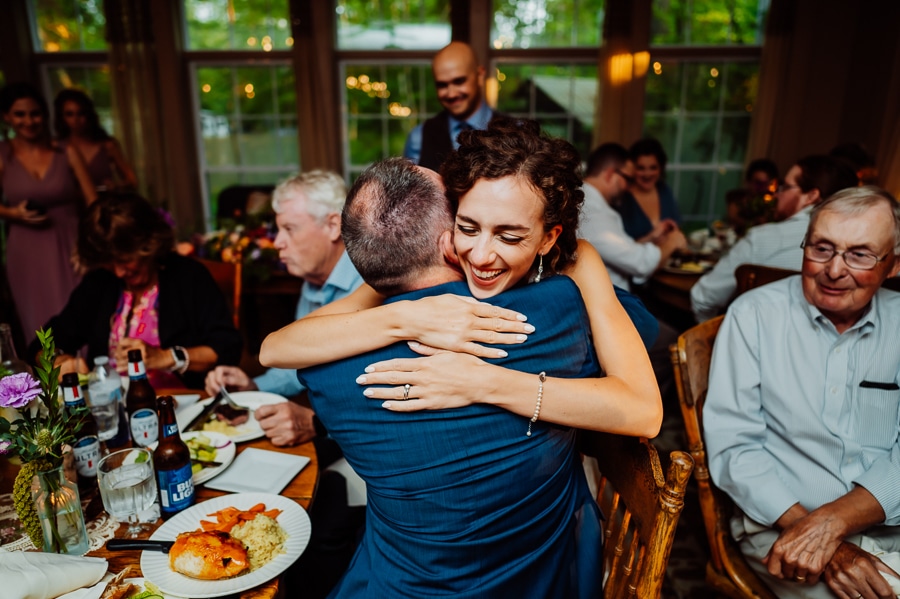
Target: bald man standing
460,88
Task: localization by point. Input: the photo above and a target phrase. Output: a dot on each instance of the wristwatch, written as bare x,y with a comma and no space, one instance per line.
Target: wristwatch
180,355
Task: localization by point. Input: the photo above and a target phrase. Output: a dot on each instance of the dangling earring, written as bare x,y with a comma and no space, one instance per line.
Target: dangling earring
537,279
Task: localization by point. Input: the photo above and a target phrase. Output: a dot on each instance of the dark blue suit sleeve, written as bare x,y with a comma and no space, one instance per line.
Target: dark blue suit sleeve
646,324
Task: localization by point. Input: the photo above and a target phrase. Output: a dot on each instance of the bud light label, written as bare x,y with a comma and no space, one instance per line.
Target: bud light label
176,489
87,454
144,427
170,429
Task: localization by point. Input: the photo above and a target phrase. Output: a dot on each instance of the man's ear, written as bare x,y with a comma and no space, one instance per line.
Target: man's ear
812,198
446,245
333,225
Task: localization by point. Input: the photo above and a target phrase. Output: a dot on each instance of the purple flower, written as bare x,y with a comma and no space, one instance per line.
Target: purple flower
4,447
17,390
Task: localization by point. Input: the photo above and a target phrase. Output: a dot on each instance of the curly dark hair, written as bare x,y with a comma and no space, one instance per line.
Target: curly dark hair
122,226
517,148
95,130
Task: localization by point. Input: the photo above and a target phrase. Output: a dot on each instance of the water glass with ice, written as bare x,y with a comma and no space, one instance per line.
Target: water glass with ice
127,485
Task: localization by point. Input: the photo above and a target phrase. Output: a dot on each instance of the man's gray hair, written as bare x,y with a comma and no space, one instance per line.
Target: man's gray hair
324,190
855,201
392,224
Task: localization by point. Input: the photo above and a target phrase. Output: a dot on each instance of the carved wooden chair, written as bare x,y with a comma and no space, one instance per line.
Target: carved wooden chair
641,509
726,571
228,277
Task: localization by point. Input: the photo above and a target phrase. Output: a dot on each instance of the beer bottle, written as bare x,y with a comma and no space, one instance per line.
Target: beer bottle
86,447
172,462
140,402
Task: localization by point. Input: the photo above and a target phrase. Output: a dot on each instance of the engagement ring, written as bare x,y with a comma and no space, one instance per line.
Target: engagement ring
406,392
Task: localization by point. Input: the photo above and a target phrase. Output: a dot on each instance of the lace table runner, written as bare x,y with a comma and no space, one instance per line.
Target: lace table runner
13,537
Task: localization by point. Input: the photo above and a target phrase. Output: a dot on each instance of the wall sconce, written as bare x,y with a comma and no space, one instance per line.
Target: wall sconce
625,66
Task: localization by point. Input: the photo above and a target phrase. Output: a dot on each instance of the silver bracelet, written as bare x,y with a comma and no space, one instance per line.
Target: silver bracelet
537,406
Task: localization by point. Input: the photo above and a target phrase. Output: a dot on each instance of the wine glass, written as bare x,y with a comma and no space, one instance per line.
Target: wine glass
127,485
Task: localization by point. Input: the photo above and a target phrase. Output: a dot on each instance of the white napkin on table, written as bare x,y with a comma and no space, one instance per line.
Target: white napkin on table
31,575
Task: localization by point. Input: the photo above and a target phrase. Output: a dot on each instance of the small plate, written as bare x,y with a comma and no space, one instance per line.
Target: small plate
248,431
260,470
293,519
701,267
225,451
140,583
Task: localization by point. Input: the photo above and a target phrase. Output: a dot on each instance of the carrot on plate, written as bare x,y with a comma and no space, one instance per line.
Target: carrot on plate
227,518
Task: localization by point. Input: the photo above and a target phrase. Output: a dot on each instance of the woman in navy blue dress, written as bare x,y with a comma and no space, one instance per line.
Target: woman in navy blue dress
649,208
517,197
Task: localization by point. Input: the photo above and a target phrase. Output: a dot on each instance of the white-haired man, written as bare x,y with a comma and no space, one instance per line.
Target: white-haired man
802,420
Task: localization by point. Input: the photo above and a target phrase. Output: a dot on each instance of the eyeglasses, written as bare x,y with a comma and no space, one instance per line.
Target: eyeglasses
855,259
628,178
785,186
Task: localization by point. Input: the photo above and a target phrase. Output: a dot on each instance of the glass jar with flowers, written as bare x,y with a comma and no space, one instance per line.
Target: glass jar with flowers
50,510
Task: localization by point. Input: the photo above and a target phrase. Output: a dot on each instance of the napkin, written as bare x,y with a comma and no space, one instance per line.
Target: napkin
31,575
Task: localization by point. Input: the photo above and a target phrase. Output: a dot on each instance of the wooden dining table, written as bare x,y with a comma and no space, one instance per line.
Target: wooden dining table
302,489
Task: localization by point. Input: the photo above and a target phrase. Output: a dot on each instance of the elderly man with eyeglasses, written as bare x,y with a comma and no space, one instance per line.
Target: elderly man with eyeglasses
777,244
802,420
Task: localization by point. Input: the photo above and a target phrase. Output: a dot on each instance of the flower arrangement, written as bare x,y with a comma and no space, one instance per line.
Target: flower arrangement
40,433
252,246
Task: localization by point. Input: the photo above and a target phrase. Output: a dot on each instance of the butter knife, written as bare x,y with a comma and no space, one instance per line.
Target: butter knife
197,423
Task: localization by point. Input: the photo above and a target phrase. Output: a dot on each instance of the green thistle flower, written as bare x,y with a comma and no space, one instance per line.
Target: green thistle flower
45,441
24,504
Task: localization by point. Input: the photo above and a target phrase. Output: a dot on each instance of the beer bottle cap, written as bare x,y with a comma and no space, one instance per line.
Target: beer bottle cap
134,355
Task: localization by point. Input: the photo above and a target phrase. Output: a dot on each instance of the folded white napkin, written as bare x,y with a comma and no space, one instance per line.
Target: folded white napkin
32,575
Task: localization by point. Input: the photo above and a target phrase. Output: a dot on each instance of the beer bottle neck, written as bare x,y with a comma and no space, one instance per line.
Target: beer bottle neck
168,425
136,370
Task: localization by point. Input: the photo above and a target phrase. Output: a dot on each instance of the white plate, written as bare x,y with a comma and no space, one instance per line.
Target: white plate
260,470
248,431
293,519
225,451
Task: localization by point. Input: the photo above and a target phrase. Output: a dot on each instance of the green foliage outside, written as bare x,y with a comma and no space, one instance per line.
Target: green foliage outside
70,26
548,24
704,22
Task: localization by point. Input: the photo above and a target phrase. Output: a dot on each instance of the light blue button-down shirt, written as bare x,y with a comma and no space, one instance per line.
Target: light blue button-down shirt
479,120
771,244
342,281
786,418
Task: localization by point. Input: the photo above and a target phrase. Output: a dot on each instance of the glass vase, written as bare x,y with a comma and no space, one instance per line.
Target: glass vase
59,510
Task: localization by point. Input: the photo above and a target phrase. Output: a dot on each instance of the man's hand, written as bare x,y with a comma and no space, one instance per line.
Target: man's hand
228,376
853,573
286,423
155,358
805,545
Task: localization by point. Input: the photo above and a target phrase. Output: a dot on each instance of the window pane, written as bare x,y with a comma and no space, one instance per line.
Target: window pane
262,25
704,22
560,97
92,80
69,25
700,112
392,24
547,23
383,104
248,125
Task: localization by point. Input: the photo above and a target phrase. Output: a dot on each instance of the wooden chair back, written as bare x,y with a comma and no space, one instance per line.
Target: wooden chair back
750,276
641,509
727,570
227,276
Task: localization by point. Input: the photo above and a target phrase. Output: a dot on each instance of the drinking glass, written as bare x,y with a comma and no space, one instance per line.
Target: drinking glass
127,485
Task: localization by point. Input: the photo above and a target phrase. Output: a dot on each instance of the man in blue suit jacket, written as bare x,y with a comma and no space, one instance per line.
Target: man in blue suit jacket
460,502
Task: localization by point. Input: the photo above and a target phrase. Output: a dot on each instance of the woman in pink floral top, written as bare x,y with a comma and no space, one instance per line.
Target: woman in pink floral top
139,294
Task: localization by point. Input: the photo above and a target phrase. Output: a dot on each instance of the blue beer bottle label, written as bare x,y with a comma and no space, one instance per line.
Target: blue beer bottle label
176,489
87,454
144,427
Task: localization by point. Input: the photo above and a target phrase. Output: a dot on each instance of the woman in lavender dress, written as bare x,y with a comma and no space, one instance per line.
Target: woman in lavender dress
76,122
43,188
